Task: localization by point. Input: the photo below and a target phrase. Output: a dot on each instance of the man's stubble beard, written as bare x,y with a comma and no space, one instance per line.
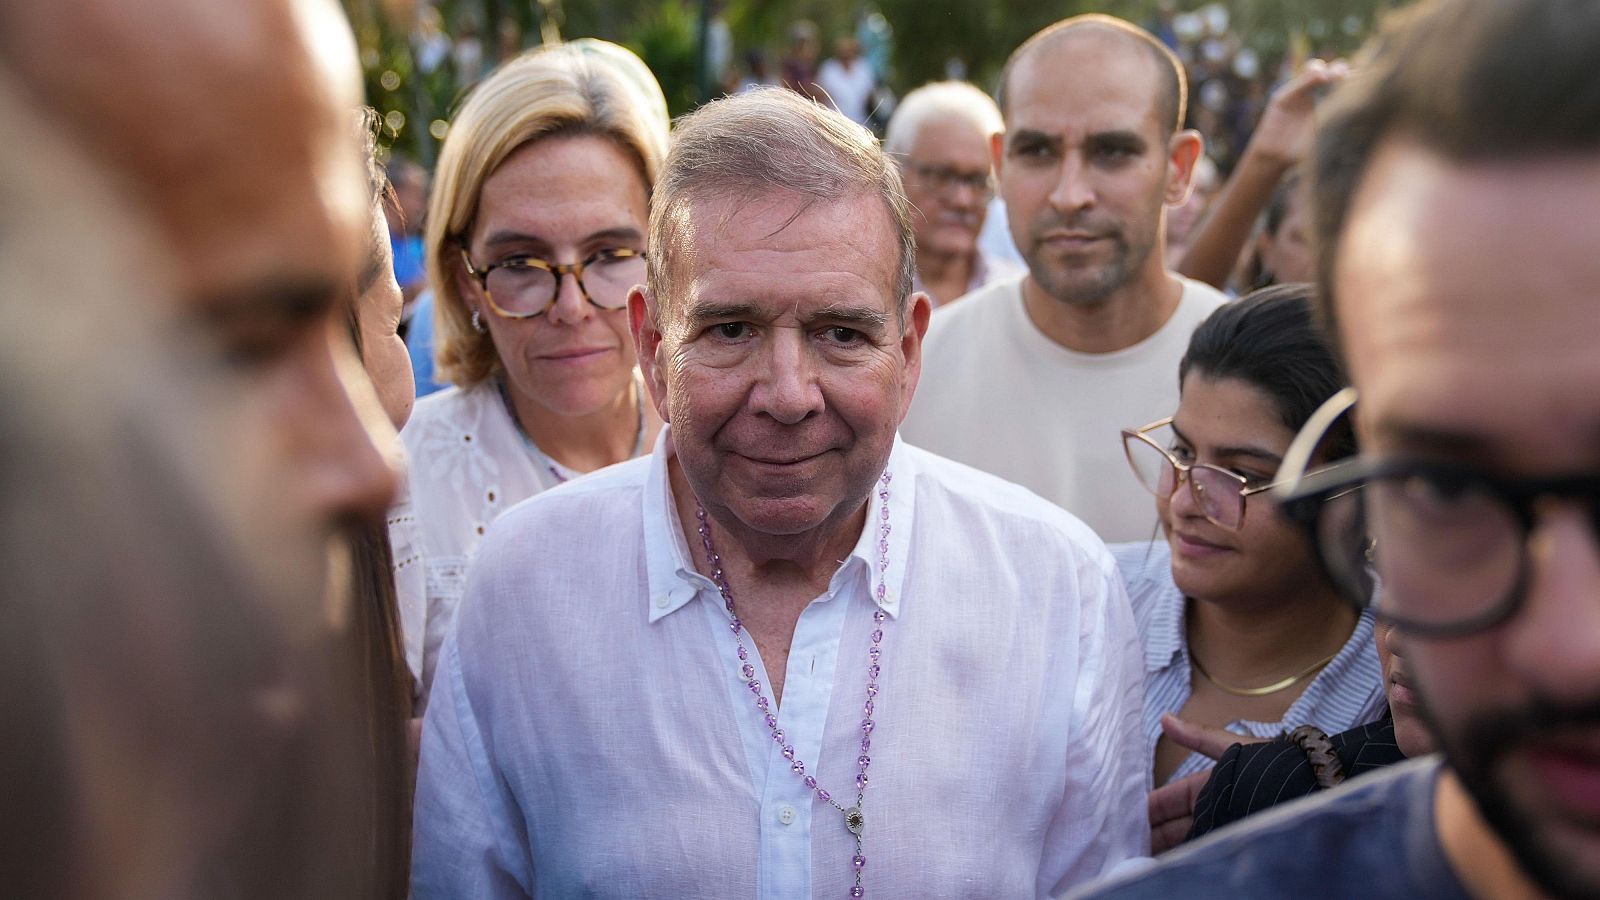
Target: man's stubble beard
1478,753
1107,278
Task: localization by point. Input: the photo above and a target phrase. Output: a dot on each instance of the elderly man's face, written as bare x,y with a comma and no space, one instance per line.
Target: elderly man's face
781,360
232,126
1471,341
948,184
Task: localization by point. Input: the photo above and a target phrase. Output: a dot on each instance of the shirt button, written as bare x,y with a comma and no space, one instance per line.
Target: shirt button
663,601
786,815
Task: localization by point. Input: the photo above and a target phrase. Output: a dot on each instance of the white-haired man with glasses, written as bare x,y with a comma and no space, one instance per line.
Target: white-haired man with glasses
940,136
1455,180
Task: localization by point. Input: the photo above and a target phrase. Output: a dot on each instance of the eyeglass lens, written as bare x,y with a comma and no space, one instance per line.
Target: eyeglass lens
1443,556
529,290
1215,491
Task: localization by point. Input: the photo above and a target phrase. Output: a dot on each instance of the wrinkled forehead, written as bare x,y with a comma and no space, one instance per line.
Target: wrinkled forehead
230,124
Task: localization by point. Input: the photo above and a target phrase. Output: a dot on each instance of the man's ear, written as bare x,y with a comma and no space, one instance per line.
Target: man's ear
1183,152
919,309
644,323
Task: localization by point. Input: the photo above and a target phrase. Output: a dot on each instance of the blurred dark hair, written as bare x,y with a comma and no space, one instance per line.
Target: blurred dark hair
1270,340
376,645
1469,79
1285,195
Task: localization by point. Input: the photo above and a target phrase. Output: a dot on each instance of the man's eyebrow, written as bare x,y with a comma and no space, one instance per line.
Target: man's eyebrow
1119,139
1432,440
705,311
855,315
1028,137
289,301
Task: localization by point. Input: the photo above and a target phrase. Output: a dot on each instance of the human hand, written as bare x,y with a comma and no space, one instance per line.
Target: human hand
1207,740
1171,810
1283,136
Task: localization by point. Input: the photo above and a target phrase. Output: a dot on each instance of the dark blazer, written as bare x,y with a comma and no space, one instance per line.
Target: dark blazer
1252,777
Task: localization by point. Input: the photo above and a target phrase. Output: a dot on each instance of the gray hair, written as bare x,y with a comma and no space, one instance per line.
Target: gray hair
765,140
956,99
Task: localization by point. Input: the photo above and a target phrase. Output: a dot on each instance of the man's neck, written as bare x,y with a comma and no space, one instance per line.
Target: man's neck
806,561
1126,316
587,442
1484,864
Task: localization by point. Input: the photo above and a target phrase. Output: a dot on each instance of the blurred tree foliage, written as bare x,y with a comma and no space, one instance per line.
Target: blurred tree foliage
930,36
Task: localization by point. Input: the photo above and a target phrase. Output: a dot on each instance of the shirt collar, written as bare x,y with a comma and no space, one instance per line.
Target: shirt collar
673,580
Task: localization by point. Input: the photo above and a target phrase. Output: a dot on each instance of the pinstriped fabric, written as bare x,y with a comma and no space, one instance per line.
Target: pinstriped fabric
1348,692
1253,777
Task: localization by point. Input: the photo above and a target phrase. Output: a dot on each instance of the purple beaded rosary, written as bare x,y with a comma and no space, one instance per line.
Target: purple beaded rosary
854,821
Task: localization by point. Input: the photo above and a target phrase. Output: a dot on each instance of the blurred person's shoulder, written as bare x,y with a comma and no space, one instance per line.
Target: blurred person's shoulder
1373,839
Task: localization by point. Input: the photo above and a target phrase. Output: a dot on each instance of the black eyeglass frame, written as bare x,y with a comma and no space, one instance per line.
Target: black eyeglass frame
559,270
1303,497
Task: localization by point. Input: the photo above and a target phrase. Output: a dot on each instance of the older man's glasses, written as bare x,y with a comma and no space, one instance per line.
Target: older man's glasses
1218,493
945,180
526,286
1448,543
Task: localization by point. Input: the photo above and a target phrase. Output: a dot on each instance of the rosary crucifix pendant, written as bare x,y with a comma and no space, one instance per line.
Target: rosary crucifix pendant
854,821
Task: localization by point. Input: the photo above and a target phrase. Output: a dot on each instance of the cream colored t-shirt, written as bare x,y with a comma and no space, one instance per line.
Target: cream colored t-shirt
997,394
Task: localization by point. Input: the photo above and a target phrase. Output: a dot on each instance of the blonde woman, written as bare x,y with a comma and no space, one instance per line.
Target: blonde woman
536,231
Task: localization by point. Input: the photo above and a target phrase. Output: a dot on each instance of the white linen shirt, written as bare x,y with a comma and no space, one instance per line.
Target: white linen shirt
1346,693
590,735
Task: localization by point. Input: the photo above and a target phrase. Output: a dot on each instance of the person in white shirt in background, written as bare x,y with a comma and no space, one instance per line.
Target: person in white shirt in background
664,681
1034,379
940,136
847,80
535,233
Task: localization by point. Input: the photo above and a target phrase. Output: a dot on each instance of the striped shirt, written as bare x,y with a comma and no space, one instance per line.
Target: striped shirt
1346,693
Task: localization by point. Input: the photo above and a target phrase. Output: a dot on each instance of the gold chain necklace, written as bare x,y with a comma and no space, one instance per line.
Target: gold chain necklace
1272,688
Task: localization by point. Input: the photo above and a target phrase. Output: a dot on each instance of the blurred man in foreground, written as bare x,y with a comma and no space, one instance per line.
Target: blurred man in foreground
1455,183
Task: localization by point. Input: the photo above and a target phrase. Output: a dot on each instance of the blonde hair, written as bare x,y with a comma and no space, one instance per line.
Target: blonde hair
584,87
766,140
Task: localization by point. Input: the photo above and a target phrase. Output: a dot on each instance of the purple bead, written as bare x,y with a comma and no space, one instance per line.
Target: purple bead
755,688
882,589
867,709
863,760
788,751
872,690
883,547
824,796
735,625
811,782
861,781
749,670
778,735
799,767
879,616
716,560
866,726
859,861
875,653
866,744
884,514
761,703
743,653
877,636
856,891
772,720
716,574
706,541
872,671
888,477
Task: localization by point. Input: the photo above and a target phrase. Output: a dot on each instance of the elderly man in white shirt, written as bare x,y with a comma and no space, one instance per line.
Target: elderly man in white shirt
786,655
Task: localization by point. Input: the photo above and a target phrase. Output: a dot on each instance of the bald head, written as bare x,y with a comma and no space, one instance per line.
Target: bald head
1171,87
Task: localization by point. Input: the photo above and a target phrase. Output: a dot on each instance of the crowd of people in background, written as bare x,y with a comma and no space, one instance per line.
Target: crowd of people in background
820,495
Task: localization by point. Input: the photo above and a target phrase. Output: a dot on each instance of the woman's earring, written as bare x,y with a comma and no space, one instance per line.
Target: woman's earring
477,323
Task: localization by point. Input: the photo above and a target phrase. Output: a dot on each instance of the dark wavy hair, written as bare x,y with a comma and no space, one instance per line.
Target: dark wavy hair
1270,339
